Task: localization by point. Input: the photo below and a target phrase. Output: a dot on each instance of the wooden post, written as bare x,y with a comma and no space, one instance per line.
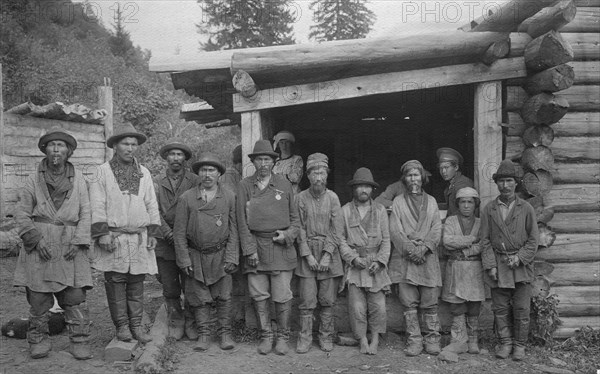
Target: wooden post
105,101
2,171
488,137
255,126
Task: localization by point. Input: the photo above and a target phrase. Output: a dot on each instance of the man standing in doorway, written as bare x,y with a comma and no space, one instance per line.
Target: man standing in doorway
268,224
449,164
233,174
509,236
125,225
169,185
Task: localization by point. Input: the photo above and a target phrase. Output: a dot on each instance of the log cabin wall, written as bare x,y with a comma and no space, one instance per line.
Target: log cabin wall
569,203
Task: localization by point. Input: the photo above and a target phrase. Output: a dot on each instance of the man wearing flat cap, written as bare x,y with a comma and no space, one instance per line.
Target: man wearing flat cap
320,266
169,185
449,164
268,224
366,250
125,225
206,245
53,219
416,229
509,237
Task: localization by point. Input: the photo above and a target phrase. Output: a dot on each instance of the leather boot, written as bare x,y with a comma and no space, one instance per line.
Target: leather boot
305,335
414,345
283,311
521,335
224,331
472,332
504,332
326,329
135,310
202,314
432,334
264,322
37,336
175,317
458,334
78,326
116,296
190,327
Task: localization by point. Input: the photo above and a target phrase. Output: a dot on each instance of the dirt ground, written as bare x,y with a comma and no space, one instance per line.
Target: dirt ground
14,357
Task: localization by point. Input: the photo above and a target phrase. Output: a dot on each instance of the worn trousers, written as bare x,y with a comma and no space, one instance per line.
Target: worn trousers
519,298
171,277
470,308
311,290
367,311
198,294
277,286
41,302
414,297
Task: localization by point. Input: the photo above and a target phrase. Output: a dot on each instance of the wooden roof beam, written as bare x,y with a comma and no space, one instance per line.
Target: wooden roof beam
507,17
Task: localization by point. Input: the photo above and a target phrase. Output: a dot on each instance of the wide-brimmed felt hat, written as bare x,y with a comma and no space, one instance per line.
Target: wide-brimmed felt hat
56,133
283,135
125,131
208,158
363,176
237,155
507,169
263,148
316,160
175,143
446,154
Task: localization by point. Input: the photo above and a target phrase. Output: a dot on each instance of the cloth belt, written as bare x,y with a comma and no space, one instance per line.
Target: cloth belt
364,251
502,251
128,230
470,258
264,234
53,222
208,250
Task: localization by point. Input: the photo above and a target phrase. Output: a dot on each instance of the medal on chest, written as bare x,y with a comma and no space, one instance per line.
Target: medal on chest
278,194
218,221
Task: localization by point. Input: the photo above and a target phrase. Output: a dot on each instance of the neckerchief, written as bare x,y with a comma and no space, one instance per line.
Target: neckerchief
59,185
128,176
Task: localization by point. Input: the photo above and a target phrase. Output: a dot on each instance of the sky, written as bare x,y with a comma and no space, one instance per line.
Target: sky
168,27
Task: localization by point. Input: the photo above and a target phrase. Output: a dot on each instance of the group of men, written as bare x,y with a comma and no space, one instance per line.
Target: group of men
191,228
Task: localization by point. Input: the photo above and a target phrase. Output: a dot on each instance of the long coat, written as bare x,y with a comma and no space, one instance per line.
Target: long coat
74,214
120,211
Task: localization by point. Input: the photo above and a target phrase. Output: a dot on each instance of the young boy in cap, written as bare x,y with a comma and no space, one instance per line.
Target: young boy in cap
449,164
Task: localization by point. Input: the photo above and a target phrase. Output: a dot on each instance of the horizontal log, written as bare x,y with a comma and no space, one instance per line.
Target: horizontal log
16,150
496,51
584,45
573,223
586,72
43,123
587,3
576,173
563,148
547,51
587,19
508,16
573,197
554,79
572,124
575,274
577,301
380,84
37,132
163,63
572,325
551,18
580,98
571,248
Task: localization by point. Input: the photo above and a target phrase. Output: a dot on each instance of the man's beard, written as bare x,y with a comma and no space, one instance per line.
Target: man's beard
319,186
414,188
362,197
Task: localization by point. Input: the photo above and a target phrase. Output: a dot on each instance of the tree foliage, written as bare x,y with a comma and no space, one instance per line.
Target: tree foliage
340,19
232,24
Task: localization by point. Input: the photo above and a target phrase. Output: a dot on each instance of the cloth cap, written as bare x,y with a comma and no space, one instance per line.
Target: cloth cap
208,158
317,160
237,155
448,154
414,164
263,147
175,143
56,133
125,131
467,192
363,176
283,135
507,169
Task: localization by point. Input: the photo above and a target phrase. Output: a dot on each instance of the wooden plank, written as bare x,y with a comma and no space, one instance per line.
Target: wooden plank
163,63
573,197
576,173
586,72
587,222
585,45
377,84
43,123
587,3
572,124
576,274
95,153
587,19
577,301
571,248
571,325
32,142
2,148
488,137
251,133
563,148
580,98
37,132
105,101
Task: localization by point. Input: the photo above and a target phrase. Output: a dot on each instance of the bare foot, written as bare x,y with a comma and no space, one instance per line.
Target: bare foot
364,345
374,344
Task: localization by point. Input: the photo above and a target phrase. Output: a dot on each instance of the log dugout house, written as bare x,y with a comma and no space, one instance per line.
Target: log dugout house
523,83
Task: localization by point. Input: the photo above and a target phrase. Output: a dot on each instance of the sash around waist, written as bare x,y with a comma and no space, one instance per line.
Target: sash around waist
208,250
53,222
364,251
264,234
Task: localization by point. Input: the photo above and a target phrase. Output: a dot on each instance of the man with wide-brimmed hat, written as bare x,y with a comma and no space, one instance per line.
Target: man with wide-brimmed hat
320,267
53,218
125,225
449,164
416,230
268,224
206,245
169,186
509,236
233,174
366,250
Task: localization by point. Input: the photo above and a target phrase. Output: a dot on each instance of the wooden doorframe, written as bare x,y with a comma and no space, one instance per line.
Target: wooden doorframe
256,125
